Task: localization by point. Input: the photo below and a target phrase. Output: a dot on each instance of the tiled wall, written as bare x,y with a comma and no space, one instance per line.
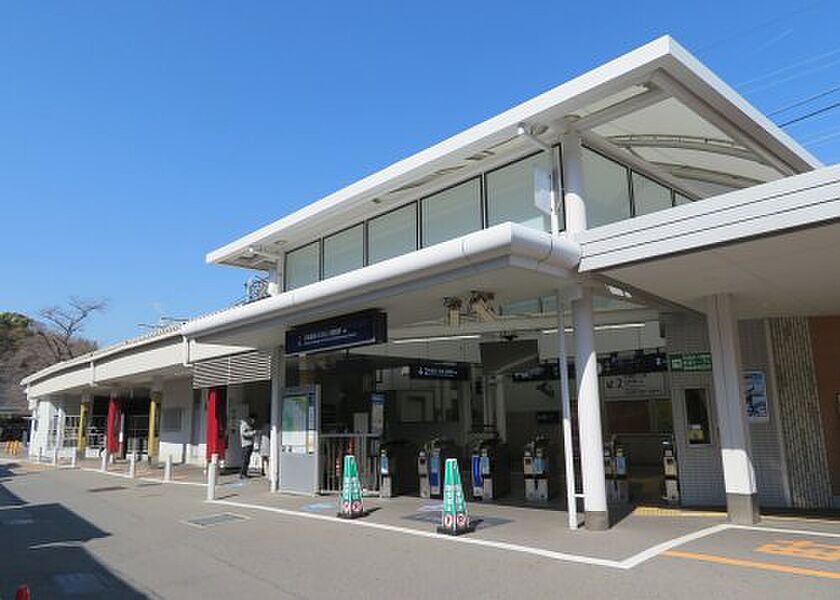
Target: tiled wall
802,433
701,471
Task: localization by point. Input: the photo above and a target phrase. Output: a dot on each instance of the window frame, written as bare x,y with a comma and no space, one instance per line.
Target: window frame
319,243
370,220
558,186
481,206
324,239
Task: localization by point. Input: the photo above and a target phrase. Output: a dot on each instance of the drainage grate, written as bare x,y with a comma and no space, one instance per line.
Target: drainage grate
213,520
112,488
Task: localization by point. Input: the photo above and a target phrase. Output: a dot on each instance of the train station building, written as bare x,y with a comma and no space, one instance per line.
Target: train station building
623,290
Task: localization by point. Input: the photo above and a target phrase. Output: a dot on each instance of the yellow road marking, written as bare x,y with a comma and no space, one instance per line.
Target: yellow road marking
802,549
751,564
653,511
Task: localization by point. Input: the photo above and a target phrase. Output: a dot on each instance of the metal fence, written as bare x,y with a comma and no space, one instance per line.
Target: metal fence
137,433
70,436
365,447
96,432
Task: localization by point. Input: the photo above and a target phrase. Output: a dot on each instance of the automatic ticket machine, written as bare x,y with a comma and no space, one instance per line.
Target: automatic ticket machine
431,461
396,473
537,468
489,468
615,471
669,465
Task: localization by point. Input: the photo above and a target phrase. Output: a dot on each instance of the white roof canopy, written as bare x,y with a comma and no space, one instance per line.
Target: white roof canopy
657,105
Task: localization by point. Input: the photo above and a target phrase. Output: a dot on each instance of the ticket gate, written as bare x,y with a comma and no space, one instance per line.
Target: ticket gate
490,469
671,471
615,471
396,473
537,468
430,464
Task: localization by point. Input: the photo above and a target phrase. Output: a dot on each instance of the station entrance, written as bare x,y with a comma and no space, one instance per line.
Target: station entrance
491,400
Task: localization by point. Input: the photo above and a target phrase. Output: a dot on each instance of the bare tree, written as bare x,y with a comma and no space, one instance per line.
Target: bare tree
64,325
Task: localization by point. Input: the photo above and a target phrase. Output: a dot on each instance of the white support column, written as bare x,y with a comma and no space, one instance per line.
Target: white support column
589,416
275,279
586,364
60,423
573,184
738,472
278,382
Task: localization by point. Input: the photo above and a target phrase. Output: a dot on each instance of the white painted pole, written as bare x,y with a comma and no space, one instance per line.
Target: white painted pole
212,477
167,468
132,465
566,412
278,376
73,460
104,466
589,416
733,427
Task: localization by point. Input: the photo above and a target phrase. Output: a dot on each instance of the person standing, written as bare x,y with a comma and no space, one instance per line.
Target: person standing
246,439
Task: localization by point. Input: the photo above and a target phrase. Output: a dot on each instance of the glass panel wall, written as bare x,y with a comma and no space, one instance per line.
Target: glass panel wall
607,192
451,213
511,193
649,196
303,266
344,251
392,234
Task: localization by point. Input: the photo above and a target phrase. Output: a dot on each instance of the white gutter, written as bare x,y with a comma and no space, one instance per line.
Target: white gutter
524,247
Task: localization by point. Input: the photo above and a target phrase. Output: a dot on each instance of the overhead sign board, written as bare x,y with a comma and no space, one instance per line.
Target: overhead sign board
439,371
691,361
347,331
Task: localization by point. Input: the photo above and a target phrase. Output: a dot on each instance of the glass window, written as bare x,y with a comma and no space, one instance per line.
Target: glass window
451,213
512,193
344,251
607,195
302,266
680,199
649,196
697,417
392,234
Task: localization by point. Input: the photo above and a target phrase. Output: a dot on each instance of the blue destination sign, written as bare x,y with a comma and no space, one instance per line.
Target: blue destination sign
439,371
347,331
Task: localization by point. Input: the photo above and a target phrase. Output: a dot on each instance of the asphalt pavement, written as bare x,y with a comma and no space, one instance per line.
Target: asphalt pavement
79,534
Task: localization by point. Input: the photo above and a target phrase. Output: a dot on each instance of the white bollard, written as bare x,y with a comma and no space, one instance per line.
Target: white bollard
212,476
132,465
73,460
167,468
55,456
104,466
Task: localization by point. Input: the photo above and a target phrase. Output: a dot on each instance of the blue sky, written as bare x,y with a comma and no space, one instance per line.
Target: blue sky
135,137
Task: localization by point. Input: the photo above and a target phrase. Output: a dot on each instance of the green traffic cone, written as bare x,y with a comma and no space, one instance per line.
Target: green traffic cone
455,520
350,504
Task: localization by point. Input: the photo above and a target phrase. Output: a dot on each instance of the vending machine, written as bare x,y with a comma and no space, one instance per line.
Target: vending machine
671,472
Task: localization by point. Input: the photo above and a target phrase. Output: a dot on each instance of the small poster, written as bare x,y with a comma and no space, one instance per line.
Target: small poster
755,393
377,413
